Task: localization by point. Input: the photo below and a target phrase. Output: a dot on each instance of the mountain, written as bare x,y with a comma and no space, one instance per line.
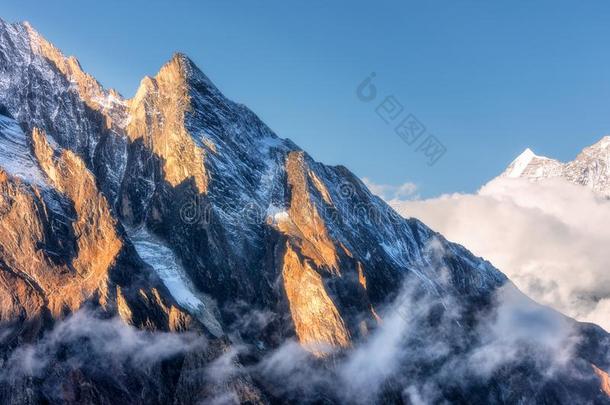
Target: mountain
591,167
548,233
172,248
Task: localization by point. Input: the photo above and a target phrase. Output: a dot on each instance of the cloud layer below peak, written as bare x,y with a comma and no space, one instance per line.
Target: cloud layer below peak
550,237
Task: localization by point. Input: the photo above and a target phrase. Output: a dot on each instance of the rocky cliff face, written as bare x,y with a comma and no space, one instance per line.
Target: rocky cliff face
179,216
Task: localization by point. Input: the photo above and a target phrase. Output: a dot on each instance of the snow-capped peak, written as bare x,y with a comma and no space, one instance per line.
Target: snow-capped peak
591,167
603,143
518,166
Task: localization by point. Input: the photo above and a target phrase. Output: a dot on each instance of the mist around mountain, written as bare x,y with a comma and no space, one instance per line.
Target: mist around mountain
171,248
548,232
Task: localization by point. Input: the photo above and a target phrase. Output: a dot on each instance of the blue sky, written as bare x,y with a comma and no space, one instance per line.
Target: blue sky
488,79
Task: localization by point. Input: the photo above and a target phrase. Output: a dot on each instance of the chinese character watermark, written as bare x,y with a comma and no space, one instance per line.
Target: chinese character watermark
405,125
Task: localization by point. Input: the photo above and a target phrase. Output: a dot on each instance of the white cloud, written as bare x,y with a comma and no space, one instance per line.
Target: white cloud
550,237
389,192
93,340
519,324
402,353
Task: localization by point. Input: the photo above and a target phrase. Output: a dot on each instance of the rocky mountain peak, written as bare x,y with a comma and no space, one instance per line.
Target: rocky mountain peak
181,211
181,70
89,89
157,116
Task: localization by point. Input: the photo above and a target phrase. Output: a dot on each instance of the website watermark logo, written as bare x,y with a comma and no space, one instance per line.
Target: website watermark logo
406,125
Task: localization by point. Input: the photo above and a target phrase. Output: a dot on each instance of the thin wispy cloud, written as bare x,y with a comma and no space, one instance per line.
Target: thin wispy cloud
401,353
404,191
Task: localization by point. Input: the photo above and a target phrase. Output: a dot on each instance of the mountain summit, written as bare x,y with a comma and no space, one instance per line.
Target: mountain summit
591,167
172,248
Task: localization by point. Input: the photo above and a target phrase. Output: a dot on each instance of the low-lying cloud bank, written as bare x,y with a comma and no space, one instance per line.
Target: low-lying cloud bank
421,352
85,340
550,237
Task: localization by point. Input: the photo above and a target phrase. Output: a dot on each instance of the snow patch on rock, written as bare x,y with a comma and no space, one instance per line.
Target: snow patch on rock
15,155
167,266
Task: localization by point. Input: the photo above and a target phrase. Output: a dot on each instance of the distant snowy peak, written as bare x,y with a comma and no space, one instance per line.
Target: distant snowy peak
599,150
518,166
591,167
530,165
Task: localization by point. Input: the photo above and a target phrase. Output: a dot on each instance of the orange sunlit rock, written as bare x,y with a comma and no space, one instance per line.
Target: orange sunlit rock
604,379
158,118
316,319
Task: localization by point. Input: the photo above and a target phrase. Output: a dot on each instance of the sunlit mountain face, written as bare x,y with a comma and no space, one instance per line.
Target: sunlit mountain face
171,248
